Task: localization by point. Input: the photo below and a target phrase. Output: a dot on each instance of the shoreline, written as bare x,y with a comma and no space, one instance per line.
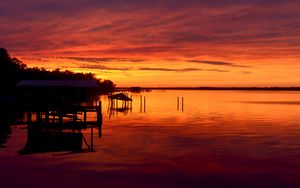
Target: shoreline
215,88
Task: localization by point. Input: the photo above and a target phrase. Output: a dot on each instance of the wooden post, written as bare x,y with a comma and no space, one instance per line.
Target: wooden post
92,139
84,116
144,104
99,113
100,107
99,121
141,103
112,105
182,103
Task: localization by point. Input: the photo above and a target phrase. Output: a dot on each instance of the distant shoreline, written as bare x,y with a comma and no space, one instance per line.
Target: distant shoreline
216,88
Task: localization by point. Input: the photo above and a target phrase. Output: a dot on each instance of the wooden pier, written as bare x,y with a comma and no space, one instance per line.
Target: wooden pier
64,116
55,128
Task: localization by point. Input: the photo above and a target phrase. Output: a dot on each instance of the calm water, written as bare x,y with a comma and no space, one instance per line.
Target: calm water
216,138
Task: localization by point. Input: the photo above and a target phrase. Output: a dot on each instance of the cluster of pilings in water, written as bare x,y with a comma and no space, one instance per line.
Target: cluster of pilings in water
125,104
115,105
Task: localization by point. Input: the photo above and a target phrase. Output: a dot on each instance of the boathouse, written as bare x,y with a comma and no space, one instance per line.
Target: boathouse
57,90
57,111
59,103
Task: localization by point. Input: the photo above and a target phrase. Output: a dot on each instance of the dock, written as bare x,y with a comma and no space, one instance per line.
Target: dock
57,128
113,106
64,116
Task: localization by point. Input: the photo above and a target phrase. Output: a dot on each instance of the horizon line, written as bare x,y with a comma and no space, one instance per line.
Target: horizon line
291,88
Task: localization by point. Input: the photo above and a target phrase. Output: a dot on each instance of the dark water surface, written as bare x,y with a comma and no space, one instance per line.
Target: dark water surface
215,139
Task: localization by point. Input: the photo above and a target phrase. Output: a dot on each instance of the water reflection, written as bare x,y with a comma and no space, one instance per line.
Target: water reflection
57,140
216,141
273,102
39,141
7,119
5,131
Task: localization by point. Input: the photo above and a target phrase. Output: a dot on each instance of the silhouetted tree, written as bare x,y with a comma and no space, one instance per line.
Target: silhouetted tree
13,70
106,85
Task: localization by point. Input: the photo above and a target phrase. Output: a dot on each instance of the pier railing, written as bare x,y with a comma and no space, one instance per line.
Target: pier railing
63,115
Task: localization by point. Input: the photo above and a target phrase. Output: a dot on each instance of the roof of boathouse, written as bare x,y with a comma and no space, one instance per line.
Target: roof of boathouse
59,83
120,96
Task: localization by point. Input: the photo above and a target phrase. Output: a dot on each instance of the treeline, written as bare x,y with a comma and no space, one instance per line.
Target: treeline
212,88
14,70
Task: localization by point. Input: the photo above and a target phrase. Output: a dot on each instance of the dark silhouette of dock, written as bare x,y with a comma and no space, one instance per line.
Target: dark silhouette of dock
64,116
59,128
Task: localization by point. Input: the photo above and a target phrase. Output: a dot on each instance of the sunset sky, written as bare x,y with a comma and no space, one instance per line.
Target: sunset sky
159,42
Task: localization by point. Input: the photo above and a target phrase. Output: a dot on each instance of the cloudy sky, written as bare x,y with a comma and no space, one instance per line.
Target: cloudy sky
159,42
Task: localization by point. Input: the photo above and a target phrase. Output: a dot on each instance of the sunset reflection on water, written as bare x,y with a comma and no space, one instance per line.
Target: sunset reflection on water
234,138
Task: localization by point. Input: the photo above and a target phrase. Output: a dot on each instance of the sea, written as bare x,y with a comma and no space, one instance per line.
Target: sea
167,139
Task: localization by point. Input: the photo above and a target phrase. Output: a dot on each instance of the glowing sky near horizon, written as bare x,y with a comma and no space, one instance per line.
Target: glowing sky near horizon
159,42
